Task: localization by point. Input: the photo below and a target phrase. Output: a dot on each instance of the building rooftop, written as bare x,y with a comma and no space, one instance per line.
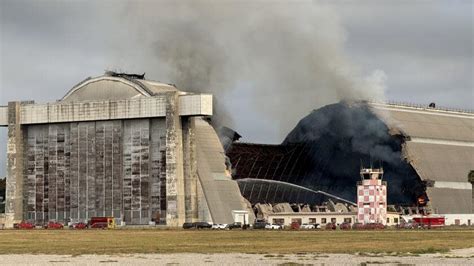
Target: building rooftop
116,86
440,147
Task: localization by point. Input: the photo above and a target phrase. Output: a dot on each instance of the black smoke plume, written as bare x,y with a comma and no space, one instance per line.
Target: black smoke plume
345,136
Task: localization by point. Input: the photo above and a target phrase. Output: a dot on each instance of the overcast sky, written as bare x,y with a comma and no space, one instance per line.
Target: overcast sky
423,48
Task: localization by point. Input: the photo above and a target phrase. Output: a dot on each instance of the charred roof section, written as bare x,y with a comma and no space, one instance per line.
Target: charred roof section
325,152
125,75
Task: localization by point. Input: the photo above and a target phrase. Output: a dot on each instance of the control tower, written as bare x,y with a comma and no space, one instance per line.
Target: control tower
371,196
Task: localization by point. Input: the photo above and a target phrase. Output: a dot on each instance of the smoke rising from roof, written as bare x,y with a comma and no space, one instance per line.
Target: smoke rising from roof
285,54
352,126
345,137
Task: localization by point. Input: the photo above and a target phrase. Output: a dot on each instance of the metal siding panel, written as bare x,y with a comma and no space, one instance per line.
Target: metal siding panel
31,173
45,149
445,200
100,163
117,168
144,173
157,148
66,170
429,123
52,195
90,186
127,170
139,154
74,172
108,169
80,170
60,171
40,135
108,190
441,162
135,178
82,166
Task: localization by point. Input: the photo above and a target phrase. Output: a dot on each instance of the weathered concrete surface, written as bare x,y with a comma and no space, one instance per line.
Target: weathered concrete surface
190,170
175,211
195,104
143,107
222,194
3,116
93,111
14,186
455,257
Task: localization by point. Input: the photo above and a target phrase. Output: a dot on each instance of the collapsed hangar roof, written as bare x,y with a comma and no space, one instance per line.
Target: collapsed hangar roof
273,191
440,147
437,144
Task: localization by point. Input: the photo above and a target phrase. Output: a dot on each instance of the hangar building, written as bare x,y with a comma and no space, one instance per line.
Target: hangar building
427,154
117,145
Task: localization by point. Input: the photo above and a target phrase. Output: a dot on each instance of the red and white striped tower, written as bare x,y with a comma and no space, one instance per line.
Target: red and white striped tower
371,197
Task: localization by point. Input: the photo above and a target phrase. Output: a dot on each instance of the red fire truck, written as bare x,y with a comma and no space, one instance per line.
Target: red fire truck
429,221
102,222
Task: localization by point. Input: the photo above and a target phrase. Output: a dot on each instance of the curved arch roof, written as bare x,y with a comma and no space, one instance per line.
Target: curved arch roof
115,88
440,147
428,123
274,191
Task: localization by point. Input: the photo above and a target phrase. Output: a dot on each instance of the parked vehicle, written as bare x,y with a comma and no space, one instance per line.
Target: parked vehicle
310,226
189,225
408,225
331,226
24,225
79,226
429,221
273,226
202,225
54,225
295,225
345,226
373,226
102,222
357,226
235,225
219,226
259,225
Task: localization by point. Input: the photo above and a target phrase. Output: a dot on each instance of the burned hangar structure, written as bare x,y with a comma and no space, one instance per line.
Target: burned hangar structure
427,154
143,151
120,146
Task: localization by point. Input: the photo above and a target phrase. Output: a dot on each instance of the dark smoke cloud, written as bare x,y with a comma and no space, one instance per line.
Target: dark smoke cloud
346,136
351,126
284,53
425,47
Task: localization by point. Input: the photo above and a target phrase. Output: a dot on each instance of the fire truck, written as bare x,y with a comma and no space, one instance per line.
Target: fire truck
102,222
429,221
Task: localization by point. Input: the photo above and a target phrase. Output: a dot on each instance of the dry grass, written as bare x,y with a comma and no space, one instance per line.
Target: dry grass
176,241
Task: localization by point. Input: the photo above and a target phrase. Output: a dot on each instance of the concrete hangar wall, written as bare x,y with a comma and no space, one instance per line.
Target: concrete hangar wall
121,146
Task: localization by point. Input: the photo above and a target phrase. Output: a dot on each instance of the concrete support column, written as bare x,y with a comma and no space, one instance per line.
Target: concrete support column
14,185
175,214
190,169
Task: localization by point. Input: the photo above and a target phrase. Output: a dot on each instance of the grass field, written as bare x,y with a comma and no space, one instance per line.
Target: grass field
177,241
